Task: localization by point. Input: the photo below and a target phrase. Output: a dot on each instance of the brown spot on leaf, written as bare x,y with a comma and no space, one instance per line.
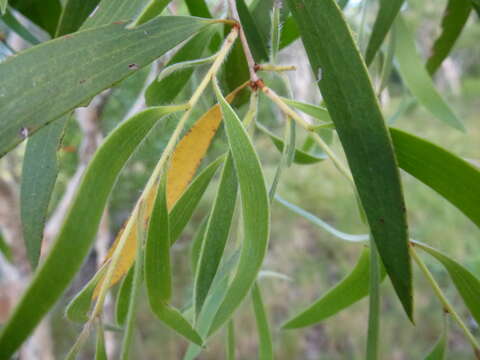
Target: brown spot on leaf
133,66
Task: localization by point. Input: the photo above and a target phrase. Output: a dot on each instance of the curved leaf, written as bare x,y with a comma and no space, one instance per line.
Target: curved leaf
265,346
467,284
216,234
386,16
255,210
418,80
34,90
198,8
452,177
74,13
352,288
454,19
354,109
123,298
439,351
44,13
79,229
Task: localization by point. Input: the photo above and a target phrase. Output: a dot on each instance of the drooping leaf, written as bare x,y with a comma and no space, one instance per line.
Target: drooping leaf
216,234
198,8
375,278
33,85
418,80
289,33
165,90
109,11
152,9
439,350
39,173
257,45
15,25
354,109
5,249
455,179
255,210
230,348
348,291
123,298
385,18
186,159
79,228
44,13
78,308
319,222
265,345
454,19
100,351
467,284
196,244
3,6
317,112
74,13
300,156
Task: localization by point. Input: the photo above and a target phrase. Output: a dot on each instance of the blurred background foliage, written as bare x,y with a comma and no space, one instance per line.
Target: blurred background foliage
311,258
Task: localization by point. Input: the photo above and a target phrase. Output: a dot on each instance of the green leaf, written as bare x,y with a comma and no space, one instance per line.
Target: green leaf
452,177
216,234
300,156
164,91
255,41
352,288
39,173
198,8
354,109
100,352
158,277
467,284
3,6
183,209
44,13
439,351
74,13
109,11
79,228
5,249
373,334
123,298
32,84
137,280
386,16
153,9
319,222
317,112
289,33
454,19
14,25
230,340
78,308
418,80
265,346
255,210
196,245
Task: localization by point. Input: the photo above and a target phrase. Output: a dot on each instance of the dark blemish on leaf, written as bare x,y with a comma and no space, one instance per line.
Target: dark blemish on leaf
82,81
24,132
133,67
382,220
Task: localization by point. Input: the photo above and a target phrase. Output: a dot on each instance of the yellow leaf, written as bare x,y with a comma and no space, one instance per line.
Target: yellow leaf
186,158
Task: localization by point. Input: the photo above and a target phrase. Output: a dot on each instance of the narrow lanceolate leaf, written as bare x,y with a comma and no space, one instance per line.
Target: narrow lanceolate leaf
354,109
123,298
74,13
114,10
300,157
153,8
467,284
255,41
165,90
455,179
265,346
44,13
79,229
317,112
35,91
230,347
439,351
158,275
216,234
100,351
454,19
39,173
255,210
186,158
3,6
352,288
418,80
386,16
17,27
197,243
198,8
78,308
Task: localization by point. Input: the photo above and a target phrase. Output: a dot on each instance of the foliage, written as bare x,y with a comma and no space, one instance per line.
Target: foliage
96,45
